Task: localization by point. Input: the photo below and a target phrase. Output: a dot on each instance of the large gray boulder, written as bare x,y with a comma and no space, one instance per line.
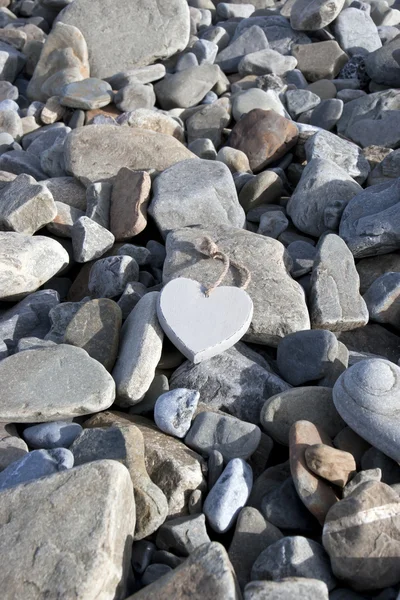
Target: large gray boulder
129,34
381,65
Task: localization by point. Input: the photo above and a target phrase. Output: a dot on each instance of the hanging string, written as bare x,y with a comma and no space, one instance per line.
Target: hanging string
210,248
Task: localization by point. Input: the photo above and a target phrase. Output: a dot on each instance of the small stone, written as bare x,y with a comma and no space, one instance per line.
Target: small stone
230,436
203,148
312,17
67,190
228,495
355,396
321,60
143,118
130,297
360,478
8,91
209,122
294,556
10,123
300,101
155,572
52,111
331,464
139,352
254,98
135,95
64,220
195,504
98,198
142,552
356,32
369,517
306,355
109,276
272,224
58,434
327,113
281,505
289,589
12,447
35,464
252,535
186,88
142,74
90,240
324,88
313,404
173,411
382,299
86,94
249,41
303,255
215,467
230,11
335,301
264,188
266,61
235,160
129,198
183,535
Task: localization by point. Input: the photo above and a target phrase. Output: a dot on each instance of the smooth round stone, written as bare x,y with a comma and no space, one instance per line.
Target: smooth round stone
288,589
35,464
229,495
383,299
173,411
312,16
367,397
58,434
324,88
327,113
87,94
154,572
334,465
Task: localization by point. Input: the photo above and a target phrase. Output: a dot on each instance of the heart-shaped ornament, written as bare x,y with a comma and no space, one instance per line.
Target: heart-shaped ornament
203,326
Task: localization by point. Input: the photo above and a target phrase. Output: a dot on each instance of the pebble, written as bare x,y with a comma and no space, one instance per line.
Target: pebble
90,240
312,17
331,464
289,589
173,411
187,88
281,505
58,434
264,188
183,535
133,96
34,465
382,299
322,60
252,39
327,113
109,276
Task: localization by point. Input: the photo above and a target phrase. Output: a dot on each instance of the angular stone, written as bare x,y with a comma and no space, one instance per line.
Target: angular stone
207,572
129,199
335,301
327,113
64,59
300,101
264,137
183,535
58,434
100,541
356,32
64,382
60,316
64,220
321,60
125,444
306,16
139,353
289,589
230,436
294,556
98,197
266,61
334,465
370,519
67,190
109,276
365,396
369,222
209,123
360,478
186,88
135,95
132,35
313,404
39,258
98,152
381,65
250,40
18,162
303,255
90,240
277,29
383,299
12,62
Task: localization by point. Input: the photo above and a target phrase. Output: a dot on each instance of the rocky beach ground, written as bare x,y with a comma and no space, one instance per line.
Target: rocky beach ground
199,300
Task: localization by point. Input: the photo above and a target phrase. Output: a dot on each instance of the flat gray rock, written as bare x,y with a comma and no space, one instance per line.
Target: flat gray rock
187,88
335,300
45,510
87,94
369,223
356,32
67,190
321,196
312,16
39,259
98,152
251,40
266,61
327,113
60,382
132,35
365,396
34,465
109,276
280,35
206,192
299,101
271,289
297,587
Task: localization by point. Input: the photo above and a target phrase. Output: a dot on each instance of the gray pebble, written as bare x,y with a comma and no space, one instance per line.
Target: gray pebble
90,240
36,464
154,572
302,255
58,434
173,411
183,535
142,552
109,276
327,113
215,467
383,299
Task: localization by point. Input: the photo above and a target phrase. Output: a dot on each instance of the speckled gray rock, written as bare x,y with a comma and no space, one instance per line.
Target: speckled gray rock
321,196
34,465
109,276
343,153
101,493
300,101
306,16
132,36
383,299
67,190
140,351
173,411
314,404
90,240
229,495
266,61
230,436
288,589
381,65
238,380
58,434
335,300
356,32
271,288
183,535
306,355
59,382
207,196
295,556
39,259
369,222
365,396
186,88
250,40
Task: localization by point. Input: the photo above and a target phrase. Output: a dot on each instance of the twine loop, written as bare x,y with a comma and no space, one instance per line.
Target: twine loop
210,248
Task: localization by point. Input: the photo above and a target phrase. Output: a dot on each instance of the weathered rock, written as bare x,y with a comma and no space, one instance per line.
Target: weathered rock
64,220
264,137
139,353
183,535
250,40
300,101
135,95
143,118
86,94
109,276
360,478
335,301
306,16
322,60
100,541
173,411
280,35
207,196
90,240
59,382
356,32
209,123
186,88
288,589
266,61
313,404
382,299
39,259
334,465
302,254
98,152
365,396
129,199
18,162
67,190
369,517
264,188
98,198
271,288
255,98
132,35
381,65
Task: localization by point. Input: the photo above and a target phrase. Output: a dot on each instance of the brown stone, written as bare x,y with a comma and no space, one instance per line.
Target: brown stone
334,465
322,60
107,111
362,537
95,328
52,111
264,136
129,199
315,493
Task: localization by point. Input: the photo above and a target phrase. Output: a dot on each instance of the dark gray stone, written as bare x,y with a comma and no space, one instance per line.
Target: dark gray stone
375,460
303,255
90,240
215,467
327,113
186,88
155,572
381,65
306,16
383,299
374,339
98,197
280,35
250,40
142,552
19,161
109,276
282,507
183,535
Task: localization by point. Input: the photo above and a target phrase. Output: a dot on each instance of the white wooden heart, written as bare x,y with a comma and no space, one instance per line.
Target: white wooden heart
200,326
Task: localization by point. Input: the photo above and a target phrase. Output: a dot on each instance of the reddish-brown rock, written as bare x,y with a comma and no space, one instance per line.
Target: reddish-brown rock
334,465
129,199
316,494
264,136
